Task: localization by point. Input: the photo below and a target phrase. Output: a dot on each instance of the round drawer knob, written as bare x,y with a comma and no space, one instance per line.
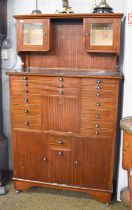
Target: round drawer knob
25,91
98,94
97,133
25,99
124,152
76,162
97,115
126,145
60,86
25,83
60,92
25,110
25,78
99,81
45,158
97,104
61,142
97,126
60,153
60,79
26,123
98,87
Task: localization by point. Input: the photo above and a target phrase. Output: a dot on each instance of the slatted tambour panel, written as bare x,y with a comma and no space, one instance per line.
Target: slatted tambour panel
29,152
69,50
60,113
92,163
98,107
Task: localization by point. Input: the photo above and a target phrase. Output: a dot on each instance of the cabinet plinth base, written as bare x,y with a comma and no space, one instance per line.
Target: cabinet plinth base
103,196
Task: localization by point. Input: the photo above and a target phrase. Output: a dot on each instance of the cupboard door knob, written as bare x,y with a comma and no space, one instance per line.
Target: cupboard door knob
25,78
25,83
98,104
45,158
97,133
99,81
25,99
60,153
60,86
25,110
97,115
25,91
97,126
26,123
61,79
98,94
61,92
60,142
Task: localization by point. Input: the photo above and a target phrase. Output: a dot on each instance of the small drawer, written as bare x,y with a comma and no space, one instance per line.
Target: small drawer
60,143
30,99
97,133
100,125
27,122
100,104
31,110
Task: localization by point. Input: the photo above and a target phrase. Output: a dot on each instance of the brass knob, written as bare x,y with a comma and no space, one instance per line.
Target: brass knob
126,145
97,133
25,91
87,33
98,94
44,33
60,86
26,123
97,126
61,92
76,162
124,152
98,81
97,115
25,83
45,158
98,87
25,99
97,104
60,154
25,110
61,79
25,78
60,142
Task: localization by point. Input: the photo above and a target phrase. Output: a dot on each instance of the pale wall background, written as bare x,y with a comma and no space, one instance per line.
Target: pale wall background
79,6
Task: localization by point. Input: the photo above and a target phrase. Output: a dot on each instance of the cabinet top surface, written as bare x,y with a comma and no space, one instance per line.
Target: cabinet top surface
67,16
126,124
67,73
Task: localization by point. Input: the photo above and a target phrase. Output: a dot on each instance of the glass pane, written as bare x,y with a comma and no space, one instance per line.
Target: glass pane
33,34
101,34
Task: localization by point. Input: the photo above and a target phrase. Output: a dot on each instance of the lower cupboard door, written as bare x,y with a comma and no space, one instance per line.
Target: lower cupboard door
93,164
60,167
30,156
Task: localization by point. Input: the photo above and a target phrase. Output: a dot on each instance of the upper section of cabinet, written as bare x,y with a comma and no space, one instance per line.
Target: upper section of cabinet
101,31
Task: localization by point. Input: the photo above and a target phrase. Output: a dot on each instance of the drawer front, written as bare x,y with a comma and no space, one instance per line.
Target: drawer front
60,143
100,104
25,110
27,122
97,133
127,151
30,99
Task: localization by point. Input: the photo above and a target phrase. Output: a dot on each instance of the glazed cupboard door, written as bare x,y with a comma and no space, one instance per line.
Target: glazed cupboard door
30,159
102,35
33,35
92,163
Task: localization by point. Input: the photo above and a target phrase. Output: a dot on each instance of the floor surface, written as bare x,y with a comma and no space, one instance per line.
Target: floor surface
47,199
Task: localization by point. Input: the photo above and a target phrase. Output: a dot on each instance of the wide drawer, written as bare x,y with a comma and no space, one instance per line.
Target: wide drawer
27,122
99,115
98,104
60,143
30,99
18,110
96,133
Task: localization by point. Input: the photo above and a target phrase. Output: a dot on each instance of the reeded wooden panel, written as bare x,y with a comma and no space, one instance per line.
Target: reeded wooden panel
29,152
60,113
92,163
60,163
69,50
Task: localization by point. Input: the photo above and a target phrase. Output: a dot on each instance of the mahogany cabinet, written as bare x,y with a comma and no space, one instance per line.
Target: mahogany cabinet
64,105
